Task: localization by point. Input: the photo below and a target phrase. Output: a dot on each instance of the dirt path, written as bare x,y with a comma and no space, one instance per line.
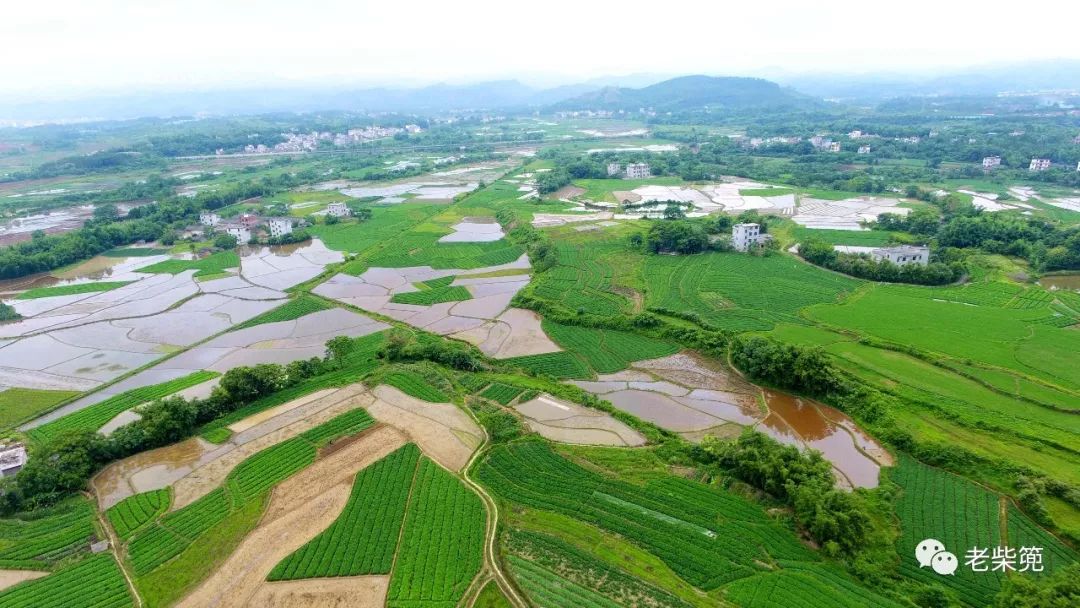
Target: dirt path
300,508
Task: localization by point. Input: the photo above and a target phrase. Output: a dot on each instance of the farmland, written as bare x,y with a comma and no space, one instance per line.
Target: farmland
293,309
213,264
71,289
558,365
18,404
132,513
414,385
436,295
39,540
607,350
95,582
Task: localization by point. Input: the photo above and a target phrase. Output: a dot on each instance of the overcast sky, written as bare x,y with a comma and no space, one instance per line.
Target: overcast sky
50,47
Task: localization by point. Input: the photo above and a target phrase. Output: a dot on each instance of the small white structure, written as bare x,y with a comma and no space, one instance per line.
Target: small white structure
338,210
834,146
903,255
990,162
209,218
614,169
240,231
745,236
12,459
1039,164
279,226
864,149
638,171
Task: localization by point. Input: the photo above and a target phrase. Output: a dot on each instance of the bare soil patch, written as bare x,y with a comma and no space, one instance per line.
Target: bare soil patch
10,578
444,432
344,592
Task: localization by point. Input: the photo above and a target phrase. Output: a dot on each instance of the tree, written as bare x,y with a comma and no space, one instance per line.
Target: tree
61,466
1059,590
330,220
225,241
106,213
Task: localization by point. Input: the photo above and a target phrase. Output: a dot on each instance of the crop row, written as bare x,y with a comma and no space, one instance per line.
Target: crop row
442,544
429,297
95,582
293,309
133,512
607,350
95,416
502,393
807,589
583,279
50,536
995,294
1023,532
172,534
546,588
415,385
939,505
560,365
364,537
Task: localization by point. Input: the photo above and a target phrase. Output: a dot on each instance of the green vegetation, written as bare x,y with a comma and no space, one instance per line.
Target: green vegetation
132,513
93,417
444,527
607,350
95,582
134,252
414,385
558,365
436,295
215,263
20,404
501,393
857,238
295,308
247,484
583,277
491,597
364,537
39,539
71,289
739,292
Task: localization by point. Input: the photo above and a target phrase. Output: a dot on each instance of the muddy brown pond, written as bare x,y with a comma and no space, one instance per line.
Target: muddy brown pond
856,456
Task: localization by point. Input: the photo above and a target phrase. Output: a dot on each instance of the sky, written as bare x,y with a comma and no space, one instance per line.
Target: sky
52,48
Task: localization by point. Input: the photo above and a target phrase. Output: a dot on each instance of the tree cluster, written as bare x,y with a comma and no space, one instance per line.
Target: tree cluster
863,266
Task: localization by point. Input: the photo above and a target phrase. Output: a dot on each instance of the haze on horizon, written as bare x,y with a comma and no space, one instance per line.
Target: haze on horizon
65,48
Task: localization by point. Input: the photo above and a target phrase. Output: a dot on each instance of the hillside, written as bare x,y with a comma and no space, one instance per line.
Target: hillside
694,92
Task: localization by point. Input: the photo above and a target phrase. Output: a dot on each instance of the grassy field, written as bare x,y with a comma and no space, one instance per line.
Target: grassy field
215,263
71,290
607,350
20,404
859,238
293,309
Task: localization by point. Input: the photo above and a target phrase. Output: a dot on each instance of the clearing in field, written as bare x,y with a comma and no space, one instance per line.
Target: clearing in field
567,422
442,430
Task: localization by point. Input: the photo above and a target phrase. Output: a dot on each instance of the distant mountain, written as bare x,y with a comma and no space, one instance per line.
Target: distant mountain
497,95
1033,76
694,92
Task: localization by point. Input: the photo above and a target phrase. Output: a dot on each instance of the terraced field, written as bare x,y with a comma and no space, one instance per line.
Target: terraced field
293,309
213,264
607,350
95,582
582,280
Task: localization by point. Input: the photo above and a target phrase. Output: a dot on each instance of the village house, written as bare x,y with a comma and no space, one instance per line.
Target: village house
903,255
745,236
338,210
241,232
1039,164
990,162
834,146
209,218
864,149
248,220
279,226
12,459
614,169
638,171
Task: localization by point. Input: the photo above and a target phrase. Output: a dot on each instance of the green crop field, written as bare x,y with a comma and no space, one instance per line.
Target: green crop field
132,513
582,279
607,350
176,531
95,582
436,295
415,385
938,505
559,365
858,238
71,290
293,309
740,292
385,224
20,404
48,536
92,418
709,538
501,393
215,263
364,537
442,542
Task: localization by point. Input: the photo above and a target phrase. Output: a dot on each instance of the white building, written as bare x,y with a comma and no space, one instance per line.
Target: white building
1039,164
864,149
637,171
614,169
12,459
834,146
279,226
903,255
990,162
240,231
338,210
209,218
745,236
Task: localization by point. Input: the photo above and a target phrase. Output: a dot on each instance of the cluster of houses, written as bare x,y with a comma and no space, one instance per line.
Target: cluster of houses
989,163
745,237
307,142
632,170
243,225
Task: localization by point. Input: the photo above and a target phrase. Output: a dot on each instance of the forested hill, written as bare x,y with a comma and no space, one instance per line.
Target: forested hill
694,92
